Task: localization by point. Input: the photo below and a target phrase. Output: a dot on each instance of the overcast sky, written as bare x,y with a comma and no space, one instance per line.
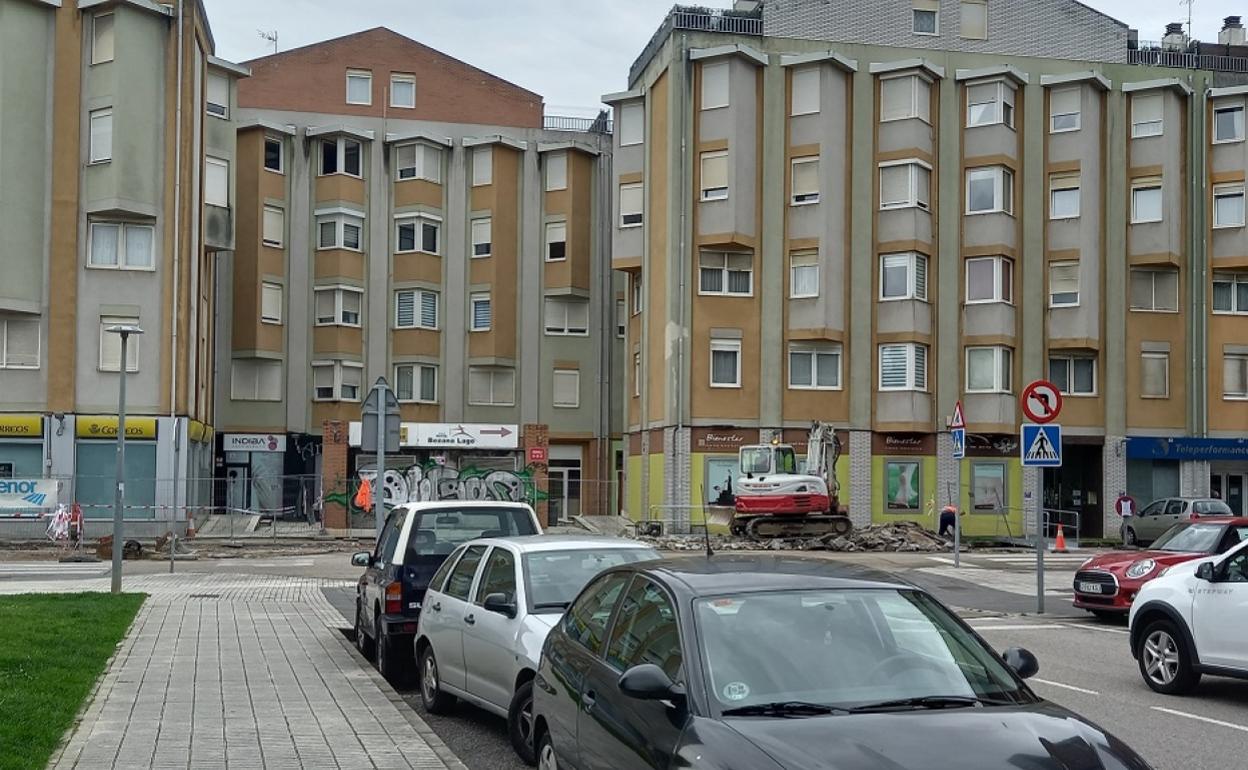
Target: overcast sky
570,51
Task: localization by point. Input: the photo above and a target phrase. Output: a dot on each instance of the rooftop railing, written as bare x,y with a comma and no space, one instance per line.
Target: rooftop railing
599,125
698,19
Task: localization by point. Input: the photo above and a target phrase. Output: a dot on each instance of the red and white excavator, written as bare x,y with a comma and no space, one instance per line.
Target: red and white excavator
773,497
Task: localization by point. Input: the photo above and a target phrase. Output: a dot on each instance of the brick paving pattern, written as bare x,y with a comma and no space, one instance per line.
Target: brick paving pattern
234,671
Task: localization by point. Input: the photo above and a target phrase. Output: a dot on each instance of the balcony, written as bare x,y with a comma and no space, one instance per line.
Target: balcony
1190,57
599,125
698,19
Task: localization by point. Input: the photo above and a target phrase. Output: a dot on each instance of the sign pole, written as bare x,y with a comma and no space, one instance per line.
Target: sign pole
958,435
1040,542
1041,403
379,503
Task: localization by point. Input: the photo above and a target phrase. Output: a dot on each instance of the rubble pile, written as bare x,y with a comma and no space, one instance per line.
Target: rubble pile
902,536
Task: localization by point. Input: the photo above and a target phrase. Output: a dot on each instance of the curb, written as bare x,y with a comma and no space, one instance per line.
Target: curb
421,727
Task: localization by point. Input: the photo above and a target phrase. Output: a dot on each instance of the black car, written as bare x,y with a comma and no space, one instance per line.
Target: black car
783,662
415,541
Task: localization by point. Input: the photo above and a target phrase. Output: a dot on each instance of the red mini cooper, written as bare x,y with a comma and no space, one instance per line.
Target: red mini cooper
1106,584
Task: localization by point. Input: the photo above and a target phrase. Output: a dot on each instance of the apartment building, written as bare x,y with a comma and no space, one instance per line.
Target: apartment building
116,178
405,215
865,212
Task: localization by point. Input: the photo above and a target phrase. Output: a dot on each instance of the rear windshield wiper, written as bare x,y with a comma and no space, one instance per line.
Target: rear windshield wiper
792,708
931,702
551,605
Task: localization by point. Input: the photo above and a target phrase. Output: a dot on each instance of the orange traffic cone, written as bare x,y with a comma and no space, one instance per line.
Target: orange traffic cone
1060,545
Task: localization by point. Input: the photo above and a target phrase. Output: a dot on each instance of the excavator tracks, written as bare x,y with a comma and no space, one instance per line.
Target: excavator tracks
761,528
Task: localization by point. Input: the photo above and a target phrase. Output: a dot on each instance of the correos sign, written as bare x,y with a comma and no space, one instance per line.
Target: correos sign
254,442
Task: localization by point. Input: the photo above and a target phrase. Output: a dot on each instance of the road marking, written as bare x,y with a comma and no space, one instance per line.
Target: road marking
1197,717
1019,627
942,560
1091,627
1064,686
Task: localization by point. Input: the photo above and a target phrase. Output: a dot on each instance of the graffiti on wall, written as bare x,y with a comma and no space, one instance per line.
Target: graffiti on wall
433,481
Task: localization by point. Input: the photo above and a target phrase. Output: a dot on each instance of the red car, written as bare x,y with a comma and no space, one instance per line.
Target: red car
1106,585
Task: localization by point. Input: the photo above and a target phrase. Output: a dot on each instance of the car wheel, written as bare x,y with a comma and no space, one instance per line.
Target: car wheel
1164,661
1128,536
363,643
431,696
520,723
390,658
546,753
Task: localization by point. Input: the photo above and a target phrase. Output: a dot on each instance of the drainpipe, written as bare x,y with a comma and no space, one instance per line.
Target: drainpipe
177,228
680,254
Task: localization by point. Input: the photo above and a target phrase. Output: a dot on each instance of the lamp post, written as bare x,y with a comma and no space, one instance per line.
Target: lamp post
125,330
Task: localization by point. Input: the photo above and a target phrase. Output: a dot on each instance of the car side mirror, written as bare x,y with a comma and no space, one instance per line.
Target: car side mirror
361,559
1022,662
501,604
1205,572
647,681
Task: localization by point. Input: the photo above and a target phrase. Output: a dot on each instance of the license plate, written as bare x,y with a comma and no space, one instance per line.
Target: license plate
1089,588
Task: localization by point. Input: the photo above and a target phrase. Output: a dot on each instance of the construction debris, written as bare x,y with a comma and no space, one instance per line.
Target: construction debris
901,536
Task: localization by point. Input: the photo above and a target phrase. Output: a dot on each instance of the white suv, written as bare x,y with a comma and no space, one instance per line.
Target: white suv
1191,621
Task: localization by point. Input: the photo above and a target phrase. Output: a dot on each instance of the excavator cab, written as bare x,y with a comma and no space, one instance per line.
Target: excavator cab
767,459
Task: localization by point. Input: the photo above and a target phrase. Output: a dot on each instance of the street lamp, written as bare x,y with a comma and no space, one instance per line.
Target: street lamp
125,330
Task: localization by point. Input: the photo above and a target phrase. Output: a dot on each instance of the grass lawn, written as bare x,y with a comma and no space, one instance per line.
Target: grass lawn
52,649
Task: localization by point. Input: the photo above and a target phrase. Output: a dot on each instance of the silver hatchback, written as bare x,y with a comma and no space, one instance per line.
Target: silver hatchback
488,610
1160,515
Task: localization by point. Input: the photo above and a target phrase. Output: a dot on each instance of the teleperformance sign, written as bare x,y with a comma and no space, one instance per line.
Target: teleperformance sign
1187,449
253,442
432,435
27,494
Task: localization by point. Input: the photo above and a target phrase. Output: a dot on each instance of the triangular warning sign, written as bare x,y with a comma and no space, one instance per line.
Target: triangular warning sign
1041,447
959,420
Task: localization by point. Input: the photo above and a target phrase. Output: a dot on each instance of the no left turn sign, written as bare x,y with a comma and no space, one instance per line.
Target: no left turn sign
1041,401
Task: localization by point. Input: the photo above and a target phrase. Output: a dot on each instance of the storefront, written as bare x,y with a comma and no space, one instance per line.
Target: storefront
991,486
95,463
903,473
565,474
715,463
21,446
1155,468
254,472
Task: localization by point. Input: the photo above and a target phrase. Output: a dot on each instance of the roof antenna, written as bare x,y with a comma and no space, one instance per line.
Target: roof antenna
706,523
269,36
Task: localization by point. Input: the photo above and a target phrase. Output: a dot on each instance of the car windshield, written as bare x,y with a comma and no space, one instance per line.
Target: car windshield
554,578
843,648
1190,538
436,532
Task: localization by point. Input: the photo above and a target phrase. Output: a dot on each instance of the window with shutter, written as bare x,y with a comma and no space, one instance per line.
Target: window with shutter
567,388
255,379
1063,196
556,241
725,363
631,125
1234,376
274,226
352,377
905,96
631,204
1228,123
403,91
903,367
556,171
101,137
102,39
429,310
481,317
805,181
1146,200
110,345
19,343
714,175
271,303
815,366
714,85
323,382
730,273
405,309
490,386
1146,115
804,273
1154,290
351,303
805,91
904,184
1063,284
1228,205
482,165
1065,109
217,95
359,87
973,19
481,237
1155,375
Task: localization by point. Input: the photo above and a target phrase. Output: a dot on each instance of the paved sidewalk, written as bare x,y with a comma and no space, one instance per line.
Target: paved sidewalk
233,671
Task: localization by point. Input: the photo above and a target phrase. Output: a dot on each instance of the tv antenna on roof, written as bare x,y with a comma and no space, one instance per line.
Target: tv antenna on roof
269,36
1188,3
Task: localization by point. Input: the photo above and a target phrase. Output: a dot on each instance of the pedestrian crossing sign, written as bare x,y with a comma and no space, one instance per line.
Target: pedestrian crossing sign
959,442
1041,445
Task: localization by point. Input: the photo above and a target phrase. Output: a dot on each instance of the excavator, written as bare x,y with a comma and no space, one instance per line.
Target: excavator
775,498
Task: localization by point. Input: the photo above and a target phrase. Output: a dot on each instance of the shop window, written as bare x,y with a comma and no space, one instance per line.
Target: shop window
903,486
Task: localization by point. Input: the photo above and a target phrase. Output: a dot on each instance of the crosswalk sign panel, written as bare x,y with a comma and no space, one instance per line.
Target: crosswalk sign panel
959,442
1041,446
